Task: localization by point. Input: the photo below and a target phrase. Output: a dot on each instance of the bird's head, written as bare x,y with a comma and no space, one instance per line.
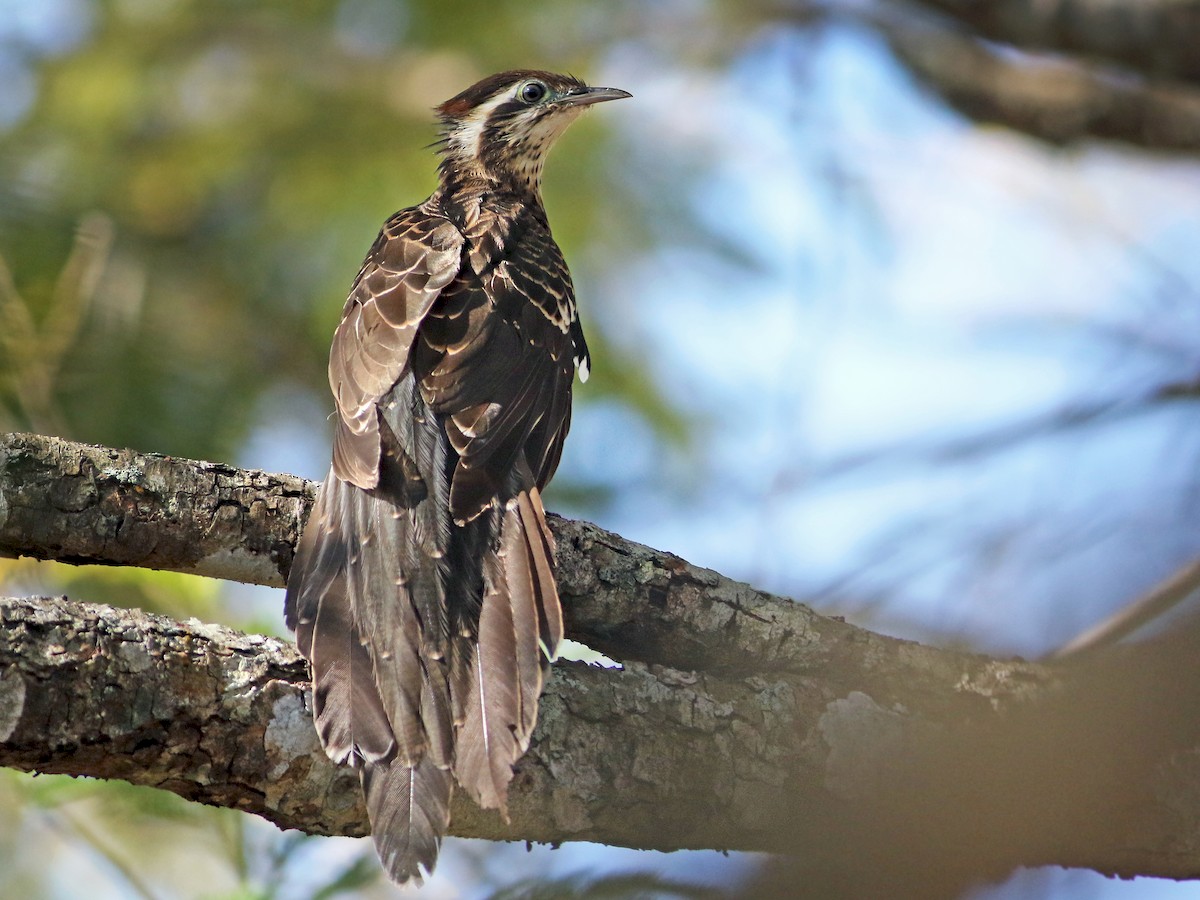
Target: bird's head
502,127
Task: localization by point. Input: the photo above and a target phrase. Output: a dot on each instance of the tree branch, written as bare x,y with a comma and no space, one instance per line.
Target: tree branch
1156,37
740,720
79,503
1053,98
1155,603
638,757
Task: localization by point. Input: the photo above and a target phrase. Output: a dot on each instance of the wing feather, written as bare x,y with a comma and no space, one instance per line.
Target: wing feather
498,362
417,254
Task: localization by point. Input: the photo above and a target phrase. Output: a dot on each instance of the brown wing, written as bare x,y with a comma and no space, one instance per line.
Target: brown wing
496,357
415,256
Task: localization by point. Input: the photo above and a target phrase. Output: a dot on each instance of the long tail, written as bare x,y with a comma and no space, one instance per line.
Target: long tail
366,599
419,671
520,628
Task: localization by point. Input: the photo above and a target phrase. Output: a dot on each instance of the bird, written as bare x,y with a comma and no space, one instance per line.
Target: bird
422,590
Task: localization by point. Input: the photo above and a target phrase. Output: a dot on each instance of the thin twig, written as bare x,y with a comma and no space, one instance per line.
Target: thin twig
1163,597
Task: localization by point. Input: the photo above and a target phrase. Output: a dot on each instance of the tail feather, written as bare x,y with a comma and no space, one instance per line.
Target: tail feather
520,609
437,712
487,740
350,718
541,551
524,594
393,647
428,641
413,488
349,713
462,665
409,807
319,561
357,575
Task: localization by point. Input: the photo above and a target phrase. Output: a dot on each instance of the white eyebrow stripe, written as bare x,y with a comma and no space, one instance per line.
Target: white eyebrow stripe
467,137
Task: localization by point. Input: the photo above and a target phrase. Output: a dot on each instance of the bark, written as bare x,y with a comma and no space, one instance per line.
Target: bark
646,756
78,503
740,720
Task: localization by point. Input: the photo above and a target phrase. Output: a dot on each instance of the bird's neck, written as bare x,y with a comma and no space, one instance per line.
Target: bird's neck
466,181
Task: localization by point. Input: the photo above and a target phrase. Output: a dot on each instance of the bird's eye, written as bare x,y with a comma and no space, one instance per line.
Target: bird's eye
532,91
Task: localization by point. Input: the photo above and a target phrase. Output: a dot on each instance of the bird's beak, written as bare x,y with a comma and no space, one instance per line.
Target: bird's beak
591,95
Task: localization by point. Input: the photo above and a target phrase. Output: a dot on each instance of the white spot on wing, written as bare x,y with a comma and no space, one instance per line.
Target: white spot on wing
584,368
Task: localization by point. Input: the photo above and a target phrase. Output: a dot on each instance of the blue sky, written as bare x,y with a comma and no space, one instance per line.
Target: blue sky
917,282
